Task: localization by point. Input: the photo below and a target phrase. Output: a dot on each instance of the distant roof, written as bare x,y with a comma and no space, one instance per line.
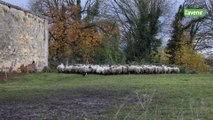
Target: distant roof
19,8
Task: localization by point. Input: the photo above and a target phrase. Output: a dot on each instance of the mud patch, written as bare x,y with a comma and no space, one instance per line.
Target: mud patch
76,105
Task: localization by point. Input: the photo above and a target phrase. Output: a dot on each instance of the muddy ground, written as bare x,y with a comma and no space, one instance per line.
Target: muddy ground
79,104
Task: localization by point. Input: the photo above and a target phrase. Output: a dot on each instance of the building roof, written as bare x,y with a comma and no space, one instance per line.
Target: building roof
19,8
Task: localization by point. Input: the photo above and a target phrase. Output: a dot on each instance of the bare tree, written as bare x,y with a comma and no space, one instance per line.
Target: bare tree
140,24
201,29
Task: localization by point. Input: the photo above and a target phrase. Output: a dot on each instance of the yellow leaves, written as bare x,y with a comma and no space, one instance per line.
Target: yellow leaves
189,57
166,51
159,56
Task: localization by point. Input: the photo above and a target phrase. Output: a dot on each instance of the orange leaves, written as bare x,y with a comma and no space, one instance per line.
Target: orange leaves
88,39
71,35
74,11
75,35
58,29
53,46
74,8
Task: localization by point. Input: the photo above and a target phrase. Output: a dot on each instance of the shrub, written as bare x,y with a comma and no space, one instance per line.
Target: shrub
188,57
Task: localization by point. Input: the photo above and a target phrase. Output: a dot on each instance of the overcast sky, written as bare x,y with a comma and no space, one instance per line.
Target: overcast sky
25,3
21,3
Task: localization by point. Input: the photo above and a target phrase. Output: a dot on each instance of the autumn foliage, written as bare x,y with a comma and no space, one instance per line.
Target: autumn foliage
71,35
128,33
76,40
188,57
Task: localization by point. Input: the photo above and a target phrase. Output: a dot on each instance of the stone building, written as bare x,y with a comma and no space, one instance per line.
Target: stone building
23,38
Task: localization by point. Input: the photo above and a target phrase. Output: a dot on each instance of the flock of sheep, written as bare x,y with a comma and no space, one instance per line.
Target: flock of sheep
117,69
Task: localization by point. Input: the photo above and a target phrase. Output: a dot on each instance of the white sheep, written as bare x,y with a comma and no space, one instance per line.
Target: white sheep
117,69
60,68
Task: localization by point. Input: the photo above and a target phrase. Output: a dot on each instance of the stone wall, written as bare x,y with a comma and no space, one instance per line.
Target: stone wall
23,38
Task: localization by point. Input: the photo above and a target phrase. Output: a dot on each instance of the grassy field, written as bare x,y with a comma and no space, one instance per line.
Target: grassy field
71,96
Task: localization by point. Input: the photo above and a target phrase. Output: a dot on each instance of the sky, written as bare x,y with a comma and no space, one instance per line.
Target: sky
25,3
21,3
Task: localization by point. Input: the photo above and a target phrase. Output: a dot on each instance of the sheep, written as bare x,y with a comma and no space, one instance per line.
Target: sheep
93,68
72,69
165,69
176,70
113,70
85,69
131,69
106,70
169,70
116,69
67,69
137,70
60,68
145,69
160,70
99,70
124,69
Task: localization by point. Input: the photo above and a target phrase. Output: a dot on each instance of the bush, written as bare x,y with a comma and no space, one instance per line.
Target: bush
186,70
188,57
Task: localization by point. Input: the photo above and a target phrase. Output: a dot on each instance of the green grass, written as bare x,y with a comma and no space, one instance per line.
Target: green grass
176,96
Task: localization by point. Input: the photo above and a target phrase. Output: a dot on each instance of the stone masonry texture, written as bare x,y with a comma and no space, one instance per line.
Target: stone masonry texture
23,38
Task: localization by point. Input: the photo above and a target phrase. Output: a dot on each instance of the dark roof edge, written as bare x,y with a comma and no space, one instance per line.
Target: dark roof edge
21,9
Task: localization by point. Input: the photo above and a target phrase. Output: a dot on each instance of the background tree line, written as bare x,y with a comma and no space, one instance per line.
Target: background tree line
126,31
